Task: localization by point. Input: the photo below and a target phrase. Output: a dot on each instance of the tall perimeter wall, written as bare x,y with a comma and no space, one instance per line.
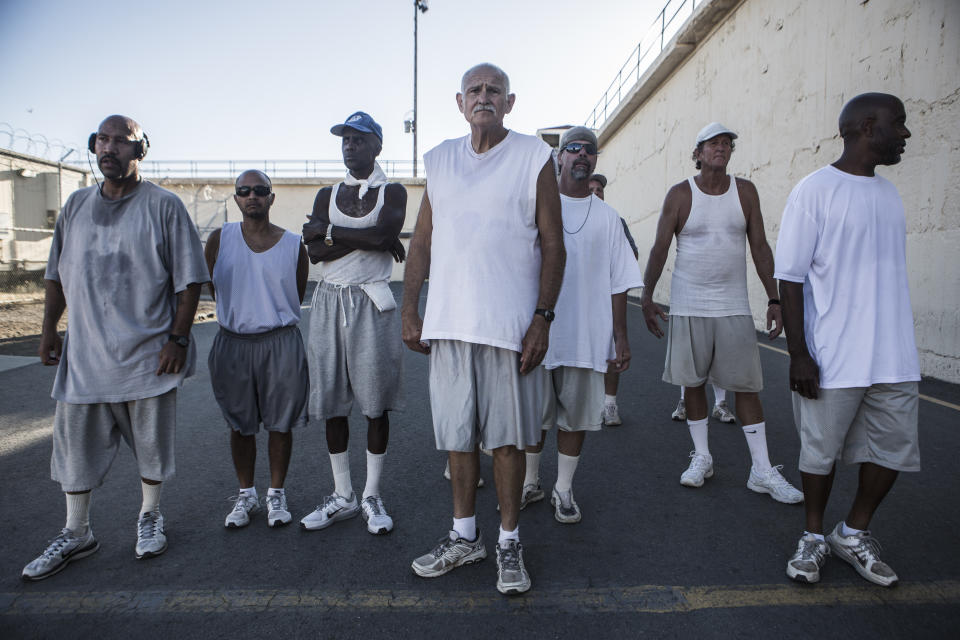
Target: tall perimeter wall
778,74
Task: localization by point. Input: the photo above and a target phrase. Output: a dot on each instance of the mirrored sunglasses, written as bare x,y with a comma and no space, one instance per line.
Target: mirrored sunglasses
574,147
259,190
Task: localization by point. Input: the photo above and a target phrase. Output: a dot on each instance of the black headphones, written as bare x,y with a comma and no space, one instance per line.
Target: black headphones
142,145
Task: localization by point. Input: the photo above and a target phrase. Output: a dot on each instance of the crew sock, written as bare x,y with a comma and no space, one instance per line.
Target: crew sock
509,535
818,536
532,475
719,395
151,497
340,464
849,531
466,528
374,467
609,400
78,512
566,467
756,435
698,431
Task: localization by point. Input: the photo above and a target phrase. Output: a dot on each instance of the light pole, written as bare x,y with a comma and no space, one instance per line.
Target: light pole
418,7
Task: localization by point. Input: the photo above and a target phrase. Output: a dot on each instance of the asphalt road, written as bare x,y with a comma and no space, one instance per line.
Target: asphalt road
650,558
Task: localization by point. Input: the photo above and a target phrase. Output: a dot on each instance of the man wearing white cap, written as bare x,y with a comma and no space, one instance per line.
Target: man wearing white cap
712,336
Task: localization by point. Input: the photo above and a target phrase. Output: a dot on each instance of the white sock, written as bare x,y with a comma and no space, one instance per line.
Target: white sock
698,431
78,512
249,491
151,497
509,535
466,528
274,491
682,390
849,531
340,464
756,435
818,536
609,400
566,467
374,467
719,395
533,468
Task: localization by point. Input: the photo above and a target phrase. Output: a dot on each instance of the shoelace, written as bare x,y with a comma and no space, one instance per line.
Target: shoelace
148,525
374,504
812,550
701,463
445,543
276,502
510,557
240,502
777,478
867,548
58,543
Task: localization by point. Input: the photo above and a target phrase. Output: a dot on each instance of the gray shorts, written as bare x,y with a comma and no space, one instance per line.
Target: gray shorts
722,351
86,438
573,399
476,388
875,424
260,378
354,352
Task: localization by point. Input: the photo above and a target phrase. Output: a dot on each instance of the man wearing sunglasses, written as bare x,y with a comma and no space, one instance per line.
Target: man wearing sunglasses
711,332
258,367
354,341
126,260
489,236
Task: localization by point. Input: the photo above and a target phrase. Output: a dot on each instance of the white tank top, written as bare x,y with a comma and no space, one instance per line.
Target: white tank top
359,266
710,272
256,292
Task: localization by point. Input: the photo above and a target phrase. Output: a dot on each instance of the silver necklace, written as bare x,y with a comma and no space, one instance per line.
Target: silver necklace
585,218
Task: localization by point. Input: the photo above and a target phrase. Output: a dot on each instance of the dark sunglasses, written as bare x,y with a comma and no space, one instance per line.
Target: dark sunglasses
574,147
259,190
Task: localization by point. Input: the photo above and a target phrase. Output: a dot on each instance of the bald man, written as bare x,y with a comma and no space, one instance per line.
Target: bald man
127,261
258,366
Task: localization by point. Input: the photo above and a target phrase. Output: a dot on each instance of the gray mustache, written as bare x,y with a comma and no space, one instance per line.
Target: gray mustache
484,107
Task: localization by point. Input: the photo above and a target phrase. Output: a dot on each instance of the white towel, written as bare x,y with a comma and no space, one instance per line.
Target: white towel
376,178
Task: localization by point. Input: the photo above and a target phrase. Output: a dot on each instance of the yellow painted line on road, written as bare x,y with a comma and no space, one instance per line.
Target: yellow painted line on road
639,599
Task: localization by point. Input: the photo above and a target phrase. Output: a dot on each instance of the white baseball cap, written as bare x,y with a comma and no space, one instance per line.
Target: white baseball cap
713,130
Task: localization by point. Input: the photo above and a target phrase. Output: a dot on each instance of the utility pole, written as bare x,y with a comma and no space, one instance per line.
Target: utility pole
419,6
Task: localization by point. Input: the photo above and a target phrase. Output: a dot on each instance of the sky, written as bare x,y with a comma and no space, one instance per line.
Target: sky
238,80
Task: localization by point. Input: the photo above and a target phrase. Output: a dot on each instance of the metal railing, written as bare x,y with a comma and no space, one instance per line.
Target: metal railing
273,168
651,44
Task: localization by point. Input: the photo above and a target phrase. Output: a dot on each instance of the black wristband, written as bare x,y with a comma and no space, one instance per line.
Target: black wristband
775,301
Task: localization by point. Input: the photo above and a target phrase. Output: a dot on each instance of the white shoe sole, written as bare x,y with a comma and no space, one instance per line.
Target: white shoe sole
839,551
337,517
761,489
513,589
691,483
473,558
379,531
560,517
279,521
151,554
801,576
63,565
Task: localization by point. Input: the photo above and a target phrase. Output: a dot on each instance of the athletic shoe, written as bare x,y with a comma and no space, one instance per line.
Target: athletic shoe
151,540
512,576
334,508
451,552
862,551
375,515
446,474
61,551
277,513
805,564
611,417
701,467
776,485
566,509
722,413
244,505
531,493
680,413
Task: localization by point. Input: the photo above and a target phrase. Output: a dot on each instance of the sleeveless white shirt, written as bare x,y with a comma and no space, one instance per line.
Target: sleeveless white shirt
256,292
359,266
710,272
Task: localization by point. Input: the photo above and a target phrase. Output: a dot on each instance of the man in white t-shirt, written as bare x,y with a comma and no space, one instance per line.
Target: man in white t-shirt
489,235
712,336
853,359
589,333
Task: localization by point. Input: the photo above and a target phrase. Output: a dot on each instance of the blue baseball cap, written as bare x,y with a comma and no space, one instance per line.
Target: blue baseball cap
359,121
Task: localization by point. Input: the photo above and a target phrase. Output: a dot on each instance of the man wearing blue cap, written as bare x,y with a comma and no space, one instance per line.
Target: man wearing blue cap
353,347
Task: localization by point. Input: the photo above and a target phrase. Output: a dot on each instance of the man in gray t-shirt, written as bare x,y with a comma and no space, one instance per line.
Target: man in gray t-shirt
127,261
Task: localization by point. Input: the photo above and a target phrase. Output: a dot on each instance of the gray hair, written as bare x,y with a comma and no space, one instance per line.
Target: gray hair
490,66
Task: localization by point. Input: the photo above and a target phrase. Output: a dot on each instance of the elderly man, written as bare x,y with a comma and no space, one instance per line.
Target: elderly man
258,367
853,359
126,260
489,235
712,337
589,334
354,342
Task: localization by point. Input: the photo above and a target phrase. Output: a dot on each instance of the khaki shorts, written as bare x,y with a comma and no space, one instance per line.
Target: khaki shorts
875,424
722,351
574,399
476,389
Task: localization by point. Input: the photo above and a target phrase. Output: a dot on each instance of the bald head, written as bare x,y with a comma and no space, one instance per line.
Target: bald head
865,108
485,67
252,177
132,126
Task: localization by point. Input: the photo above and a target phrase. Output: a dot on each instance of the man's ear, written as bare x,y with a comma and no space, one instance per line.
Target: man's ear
510,100
460,101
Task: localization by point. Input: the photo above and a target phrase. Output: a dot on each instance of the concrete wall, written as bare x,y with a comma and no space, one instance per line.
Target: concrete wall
778,74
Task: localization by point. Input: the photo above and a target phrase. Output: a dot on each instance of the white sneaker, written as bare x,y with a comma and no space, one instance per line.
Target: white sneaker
446,474
512,576
862,551
277,513
565,508
530,493
375,515
239,516
611,417
334,508
701,467
151,540
722,413
451,552
805,564
680,413
775,484
61,551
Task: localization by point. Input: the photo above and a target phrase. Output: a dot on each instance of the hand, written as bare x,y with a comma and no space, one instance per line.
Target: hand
172,358
51,347
651,311
621,362
411,328
397,251
534,344
804,376
774,320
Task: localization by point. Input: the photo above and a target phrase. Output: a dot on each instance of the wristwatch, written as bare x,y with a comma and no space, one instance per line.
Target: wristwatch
181,341
547,314
329,239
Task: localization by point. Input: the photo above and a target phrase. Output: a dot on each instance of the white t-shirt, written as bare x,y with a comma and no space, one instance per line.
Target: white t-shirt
600,263
844,237
485,246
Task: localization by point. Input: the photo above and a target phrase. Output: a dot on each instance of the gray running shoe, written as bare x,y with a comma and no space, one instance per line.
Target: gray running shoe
446,474
334,508
151,540
375,515
772,482
512,576
566,509
680,413
611,416
701,467
451,552
862,551
531,493
61,551
805,564
277,513
243,505
722,413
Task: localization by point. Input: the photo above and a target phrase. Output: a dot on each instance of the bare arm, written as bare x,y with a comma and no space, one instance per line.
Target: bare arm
622,346
667,227
416,271
760,250
804,372
173,356
210,253
54,304
303,270
383,236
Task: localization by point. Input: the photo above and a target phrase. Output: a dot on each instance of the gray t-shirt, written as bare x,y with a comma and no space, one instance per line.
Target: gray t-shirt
121,264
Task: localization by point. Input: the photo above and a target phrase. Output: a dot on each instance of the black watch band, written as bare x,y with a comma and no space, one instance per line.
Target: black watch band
547,314
772,301
181,341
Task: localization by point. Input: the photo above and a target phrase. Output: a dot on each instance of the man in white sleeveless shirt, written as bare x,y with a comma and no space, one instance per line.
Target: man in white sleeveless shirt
258,367
853,357
490,237
712,337
354,343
